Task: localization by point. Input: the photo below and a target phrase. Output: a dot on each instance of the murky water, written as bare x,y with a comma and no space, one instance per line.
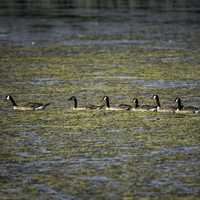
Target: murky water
169,25
123,49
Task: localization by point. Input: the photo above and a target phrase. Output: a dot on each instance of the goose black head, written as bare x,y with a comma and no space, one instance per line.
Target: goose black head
136,102
72,98
178,100
8,97
179,103
106,99
155,96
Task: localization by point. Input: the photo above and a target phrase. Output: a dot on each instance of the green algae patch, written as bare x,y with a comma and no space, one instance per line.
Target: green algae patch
63,153
105,37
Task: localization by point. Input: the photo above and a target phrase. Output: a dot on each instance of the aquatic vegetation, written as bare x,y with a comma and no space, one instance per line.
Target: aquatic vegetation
70,154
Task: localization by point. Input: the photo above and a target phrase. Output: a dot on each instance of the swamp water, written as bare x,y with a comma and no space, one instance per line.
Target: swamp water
129,51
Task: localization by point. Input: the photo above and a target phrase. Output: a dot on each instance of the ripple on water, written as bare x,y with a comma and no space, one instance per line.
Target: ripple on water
175,150
35,141
179,186
53,193
96,181
96,178
175,175
154,83
46,81
168,84
105,42
131,80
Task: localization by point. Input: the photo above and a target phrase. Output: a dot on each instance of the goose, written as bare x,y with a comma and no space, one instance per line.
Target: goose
28,106
136,103
144,107
87,107
157,102
120,107
137,106
134,107
158,105
125,106
183,109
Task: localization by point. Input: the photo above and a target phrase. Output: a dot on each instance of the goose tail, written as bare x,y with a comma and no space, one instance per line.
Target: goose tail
45,105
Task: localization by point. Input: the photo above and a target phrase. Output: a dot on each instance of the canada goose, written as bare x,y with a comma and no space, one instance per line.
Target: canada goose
125,106
157,101
28,106
87,107
141,108
136,106
120,107
158,105
185,109
144,107
136,103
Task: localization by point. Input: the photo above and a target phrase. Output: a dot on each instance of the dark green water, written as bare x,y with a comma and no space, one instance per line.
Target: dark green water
123,49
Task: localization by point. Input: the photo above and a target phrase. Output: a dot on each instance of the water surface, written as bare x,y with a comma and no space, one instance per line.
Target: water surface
123,49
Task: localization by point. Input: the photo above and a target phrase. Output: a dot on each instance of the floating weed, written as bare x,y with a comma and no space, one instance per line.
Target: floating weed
62,153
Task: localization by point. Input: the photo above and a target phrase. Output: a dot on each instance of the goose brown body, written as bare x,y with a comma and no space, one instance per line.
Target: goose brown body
27,106
141,108
158,107
185,109
106,100
87,107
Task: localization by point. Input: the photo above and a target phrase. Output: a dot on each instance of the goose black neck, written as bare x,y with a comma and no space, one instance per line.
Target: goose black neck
180,105
13,101
158,103
136,104
75,103
107,103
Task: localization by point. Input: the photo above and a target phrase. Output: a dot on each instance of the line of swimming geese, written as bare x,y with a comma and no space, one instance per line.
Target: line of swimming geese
135,106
